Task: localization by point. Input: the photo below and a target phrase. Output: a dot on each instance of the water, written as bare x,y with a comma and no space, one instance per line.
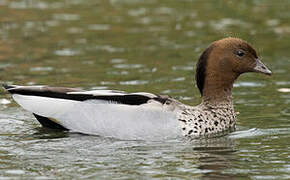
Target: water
143,46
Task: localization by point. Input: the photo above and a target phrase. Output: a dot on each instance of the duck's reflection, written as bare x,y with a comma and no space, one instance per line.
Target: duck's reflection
214,157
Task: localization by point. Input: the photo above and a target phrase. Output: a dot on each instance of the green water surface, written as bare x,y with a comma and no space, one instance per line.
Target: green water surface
151,46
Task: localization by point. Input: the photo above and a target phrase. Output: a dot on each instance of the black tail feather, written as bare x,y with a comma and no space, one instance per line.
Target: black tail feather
7,87
46,122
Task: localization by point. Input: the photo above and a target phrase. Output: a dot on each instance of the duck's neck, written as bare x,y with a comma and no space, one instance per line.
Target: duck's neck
218,89
218,99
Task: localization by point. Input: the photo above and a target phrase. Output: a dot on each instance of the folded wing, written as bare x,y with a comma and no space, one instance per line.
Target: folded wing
102,112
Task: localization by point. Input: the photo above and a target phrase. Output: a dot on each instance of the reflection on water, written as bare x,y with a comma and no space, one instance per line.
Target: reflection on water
149,46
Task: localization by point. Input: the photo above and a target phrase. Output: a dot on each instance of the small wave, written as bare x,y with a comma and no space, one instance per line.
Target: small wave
254,132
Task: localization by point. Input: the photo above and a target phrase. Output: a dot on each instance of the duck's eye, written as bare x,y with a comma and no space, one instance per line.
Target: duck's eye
240,53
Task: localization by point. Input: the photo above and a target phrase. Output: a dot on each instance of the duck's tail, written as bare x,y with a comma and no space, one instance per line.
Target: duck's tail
7,87
44,121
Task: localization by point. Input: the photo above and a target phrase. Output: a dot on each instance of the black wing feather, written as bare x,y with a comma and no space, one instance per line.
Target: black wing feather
63,93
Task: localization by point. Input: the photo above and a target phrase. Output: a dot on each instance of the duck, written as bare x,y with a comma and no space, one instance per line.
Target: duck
143,115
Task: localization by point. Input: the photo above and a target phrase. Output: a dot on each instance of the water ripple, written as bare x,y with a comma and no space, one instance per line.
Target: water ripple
137,12
248,84
128,66
41,69
254,132
117,60
67,17
109,48
284,90
4,101
134,82
66,52
99,27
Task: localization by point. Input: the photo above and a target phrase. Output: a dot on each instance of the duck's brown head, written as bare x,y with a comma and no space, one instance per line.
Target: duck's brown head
223,61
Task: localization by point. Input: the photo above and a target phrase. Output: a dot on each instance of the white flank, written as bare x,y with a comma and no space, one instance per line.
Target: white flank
100,117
